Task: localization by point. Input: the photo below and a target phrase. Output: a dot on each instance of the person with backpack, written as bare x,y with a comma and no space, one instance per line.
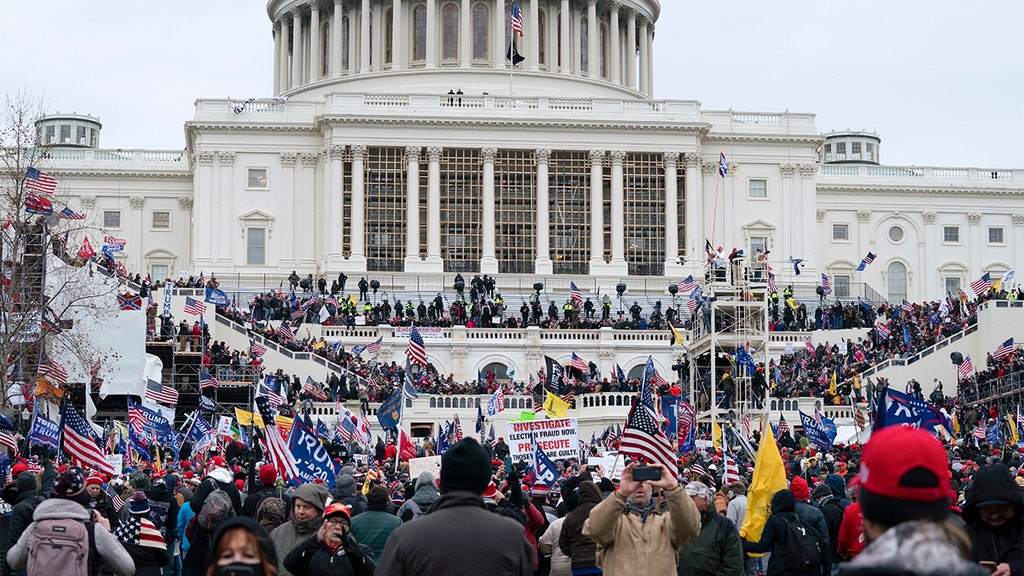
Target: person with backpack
833,510
64,534
141,538
215,500
422,499
717,548
308,503
809,515
218,477
793,546
268,487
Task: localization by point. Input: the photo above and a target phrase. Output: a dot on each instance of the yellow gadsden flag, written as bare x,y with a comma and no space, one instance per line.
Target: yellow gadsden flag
555,406
716,436
769,478
248,418
677,338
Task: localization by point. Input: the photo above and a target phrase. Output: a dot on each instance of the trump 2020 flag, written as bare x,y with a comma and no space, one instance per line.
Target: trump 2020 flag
545,469
822,433
311,458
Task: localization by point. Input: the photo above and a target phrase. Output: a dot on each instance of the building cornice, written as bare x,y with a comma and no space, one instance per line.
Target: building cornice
914,191
698,129
764,138
117,174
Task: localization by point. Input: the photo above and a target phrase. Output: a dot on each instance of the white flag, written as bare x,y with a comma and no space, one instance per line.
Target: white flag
1008,278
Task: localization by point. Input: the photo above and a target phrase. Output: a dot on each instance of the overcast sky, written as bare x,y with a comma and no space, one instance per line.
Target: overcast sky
940,81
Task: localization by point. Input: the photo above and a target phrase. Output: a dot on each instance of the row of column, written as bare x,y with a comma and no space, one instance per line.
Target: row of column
489,262
304,62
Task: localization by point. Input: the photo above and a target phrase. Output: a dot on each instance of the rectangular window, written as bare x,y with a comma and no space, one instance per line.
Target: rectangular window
161,220
255,248
952,284
257,177
995,235
81,135
51,134
828,152
870,156
840,232
758,188
855,150
840,150
841,284
158,272
951,234
757,243
111,218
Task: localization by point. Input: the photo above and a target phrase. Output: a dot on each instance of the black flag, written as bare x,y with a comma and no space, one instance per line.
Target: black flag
513,54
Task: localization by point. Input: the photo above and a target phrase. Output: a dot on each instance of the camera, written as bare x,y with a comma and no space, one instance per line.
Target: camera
641,473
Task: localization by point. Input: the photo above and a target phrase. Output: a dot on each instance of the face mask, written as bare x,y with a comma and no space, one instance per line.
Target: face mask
239,569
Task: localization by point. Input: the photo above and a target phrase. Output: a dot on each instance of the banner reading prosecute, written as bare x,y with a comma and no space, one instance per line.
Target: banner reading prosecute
558,438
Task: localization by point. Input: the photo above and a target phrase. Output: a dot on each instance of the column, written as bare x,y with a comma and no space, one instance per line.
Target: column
285,60
976,242
593,47
694,227
307,246
671,161
808,199
614,48
617,212
277,58
650,61
498,35
596,209
335,54
202,247
412,205
434,208
353,45
488,260
645,86
364,37
296,49
631,50
432,34
397,50
565,55
792,234
135,222
223,212
333,204
544,265
290,233
315,53
466,34
533,34
357,209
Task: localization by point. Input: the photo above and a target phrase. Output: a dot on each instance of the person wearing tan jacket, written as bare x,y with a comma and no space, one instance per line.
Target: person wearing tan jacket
635,535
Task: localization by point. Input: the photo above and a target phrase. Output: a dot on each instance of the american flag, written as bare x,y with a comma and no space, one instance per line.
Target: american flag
6,439
194,307
686,286
783,426
457,429
53,370
274,398
982,285
730,470
1020,420
979,431
416,352
772,286
81,443
255,349
141,533
865,261
373,471
1003,350
642,437
69,214
698,468
883,331
826,283
579,363
206,380
746,425
285,331
161,394
374,347
907,307
310,387
39,181
966,367
517,19
575,294
723,168
817,418
344,430
137,419
823,379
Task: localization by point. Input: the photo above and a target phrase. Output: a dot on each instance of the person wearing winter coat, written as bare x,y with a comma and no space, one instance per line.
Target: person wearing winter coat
422,499
581,550
308,503
809,515
561,563
373,527
141,539
833,511
332,551
163,511
717,549
774,535
345,491
994,513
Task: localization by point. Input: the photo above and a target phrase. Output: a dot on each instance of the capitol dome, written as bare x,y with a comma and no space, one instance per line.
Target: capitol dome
587,49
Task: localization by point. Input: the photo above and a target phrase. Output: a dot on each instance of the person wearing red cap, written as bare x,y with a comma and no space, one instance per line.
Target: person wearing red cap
332,551
904,497
809,515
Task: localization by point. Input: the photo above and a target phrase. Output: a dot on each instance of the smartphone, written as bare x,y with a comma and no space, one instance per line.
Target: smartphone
989,564
508,464
641,473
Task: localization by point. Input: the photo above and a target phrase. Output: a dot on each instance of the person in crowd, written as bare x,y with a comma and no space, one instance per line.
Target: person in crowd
422,499
241,547
775,534
21,514
580,548
332,551
832,510
717,549
373,527
459,536
548,544
308,504
994,513
345,490
626,544
809,515
141,538
268,487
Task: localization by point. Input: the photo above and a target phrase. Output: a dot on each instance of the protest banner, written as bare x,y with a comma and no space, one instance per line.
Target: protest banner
430,464
558,438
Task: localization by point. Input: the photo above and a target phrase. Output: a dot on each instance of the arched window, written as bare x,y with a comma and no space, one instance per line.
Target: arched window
542,38
896,278
604,50
325,48
584,41
499,369
419,36
449,32
344,44
389,33
480,33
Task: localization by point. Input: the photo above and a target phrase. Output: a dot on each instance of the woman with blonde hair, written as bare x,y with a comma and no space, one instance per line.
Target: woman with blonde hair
241,547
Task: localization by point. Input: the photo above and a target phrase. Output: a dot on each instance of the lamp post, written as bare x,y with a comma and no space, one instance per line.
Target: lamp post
620,289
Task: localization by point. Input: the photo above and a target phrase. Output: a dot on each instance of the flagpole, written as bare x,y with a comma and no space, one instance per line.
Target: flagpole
511,58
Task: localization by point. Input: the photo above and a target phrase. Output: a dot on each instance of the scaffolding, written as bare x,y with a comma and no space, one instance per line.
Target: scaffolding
24,250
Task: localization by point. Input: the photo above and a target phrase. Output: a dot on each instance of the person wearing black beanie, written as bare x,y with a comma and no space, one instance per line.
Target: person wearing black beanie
473,536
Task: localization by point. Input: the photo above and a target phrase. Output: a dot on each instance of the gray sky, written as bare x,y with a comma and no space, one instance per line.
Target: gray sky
940,82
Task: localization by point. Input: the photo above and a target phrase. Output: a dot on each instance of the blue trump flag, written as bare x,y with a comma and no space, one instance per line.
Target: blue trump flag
442,439
545,469
217,297
390,411
819,430
44,431
668,410
898,409
311,458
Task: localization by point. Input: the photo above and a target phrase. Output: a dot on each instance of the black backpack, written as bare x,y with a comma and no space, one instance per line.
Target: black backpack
802,551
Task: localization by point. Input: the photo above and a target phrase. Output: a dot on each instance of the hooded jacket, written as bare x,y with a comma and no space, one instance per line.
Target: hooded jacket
912,549
21,515
345,492
424,497
995,543
775,533
715,551
581,550
163,512
112,554
292,533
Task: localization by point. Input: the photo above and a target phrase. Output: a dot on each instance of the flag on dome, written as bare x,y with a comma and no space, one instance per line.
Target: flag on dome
39,181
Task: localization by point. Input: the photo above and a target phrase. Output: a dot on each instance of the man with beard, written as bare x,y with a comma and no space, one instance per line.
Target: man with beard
308,504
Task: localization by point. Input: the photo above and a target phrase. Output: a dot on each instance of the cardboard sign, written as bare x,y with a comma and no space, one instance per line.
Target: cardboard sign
609,460
430,464
558,438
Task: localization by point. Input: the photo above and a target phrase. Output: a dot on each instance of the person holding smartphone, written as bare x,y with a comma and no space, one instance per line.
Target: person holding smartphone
633,534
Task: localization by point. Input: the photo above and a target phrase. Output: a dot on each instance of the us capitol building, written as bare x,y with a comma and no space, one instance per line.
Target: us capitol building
399,144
